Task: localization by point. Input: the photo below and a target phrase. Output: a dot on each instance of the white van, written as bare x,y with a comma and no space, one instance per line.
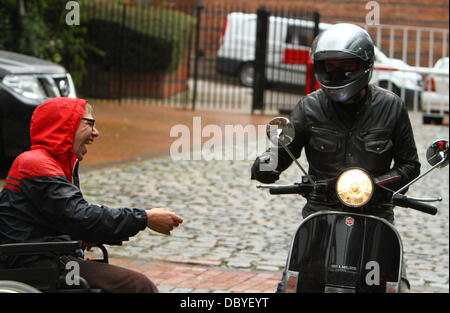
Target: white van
287,37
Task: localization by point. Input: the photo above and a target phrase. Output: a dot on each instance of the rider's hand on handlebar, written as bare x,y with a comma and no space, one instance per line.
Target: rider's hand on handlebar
262,175
162,220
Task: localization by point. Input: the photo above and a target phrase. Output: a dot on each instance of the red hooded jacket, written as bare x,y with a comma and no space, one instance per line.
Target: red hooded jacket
42,201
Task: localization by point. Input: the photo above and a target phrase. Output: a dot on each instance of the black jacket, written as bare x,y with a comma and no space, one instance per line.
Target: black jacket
381,133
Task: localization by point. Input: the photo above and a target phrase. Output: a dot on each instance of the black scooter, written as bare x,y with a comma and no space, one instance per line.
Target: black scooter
349,251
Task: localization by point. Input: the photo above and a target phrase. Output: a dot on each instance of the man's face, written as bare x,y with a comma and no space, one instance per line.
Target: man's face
85,133
342,71
349,65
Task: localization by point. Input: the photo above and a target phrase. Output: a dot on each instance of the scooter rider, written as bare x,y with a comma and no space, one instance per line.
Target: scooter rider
347,123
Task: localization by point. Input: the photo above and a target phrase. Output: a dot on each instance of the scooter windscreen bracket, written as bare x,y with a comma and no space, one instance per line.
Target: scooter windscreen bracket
281,132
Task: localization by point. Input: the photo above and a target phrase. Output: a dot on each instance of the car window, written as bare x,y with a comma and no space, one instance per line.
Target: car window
297,35
249,26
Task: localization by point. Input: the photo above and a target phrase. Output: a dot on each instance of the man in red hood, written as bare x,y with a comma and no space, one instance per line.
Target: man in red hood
41,200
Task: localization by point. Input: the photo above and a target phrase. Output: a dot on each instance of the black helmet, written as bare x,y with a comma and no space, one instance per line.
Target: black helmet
343,42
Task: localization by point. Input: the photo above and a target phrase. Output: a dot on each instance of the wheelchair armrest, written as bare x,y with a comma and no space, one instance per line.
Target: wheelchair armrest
61,247
104,252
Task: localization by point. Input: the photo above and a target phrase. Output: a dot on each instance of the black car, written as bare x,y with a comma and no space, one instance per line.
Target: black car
26,82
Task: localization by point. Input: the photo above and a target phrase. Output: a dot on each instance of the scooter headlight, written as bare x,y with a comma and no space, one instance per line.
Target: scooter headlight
354,188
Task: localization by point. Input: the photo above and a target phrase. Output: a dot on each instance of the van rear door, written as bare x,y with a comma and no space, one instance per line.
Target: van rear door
295,47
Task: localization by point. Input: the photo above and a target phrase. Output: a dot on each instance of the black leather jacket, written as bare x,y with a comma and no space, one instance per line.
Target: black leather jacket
381,133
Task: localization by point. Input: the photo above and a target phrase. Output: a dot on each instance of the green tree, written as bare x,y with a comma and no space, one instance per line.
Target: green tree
38,28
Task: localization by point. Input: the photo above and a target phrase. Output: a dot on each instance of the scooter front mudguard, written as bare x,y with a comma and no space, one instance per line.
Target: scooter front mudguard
344,252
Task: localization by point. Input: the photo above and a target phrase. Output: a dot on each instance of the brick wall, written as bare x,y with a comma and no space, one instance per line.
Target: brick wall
425,13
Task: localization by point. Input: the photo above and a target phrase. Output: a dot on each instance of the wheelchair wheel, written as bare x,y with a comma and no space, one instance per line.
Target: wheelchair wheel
8,286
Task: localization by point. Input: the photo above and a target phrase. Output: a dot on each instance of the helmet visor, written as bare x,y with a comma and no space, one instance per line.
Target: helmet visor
340,72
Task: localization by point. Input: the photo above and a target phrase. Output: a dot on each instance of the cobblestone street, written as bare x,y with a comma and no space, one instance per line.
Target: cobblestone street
230,225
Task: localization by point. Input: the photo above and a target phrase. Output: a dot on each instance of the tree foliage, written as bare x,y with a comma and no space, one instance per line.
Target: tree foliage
139,36
145,38
38,28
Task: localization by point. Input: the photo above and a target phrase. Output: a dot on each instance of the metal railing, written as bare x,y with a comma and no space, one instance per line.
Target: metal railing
204,80
415,50
128,68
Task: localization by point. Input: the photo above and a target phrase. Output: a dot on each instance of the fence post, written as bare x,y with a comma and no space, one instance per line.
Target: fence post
122,49
259,84
316,19
198,13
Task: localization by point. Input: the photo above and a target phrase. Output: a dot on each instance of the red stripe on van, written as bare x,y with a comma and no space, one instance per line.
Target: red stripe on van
385,68
296,56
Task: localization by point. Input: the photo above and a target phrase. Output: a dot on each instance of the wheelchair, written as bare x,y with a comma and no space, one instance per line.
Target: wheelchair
47,278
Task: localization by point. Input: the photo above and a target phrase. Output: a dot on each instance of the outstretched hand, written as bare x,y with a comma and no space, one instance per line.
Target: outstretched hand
162,220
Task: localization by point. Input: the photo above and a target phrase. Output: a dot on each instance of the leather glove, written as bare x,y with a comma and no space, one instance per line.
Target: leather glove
268,176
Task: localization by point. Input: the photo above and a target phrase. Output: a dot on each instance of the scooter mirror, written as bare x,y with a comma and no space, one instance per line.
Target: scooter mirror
437,152
280,131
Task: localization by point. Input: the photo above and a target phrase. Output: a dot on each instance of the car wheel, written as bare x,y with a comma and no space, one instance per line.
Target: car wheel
246,74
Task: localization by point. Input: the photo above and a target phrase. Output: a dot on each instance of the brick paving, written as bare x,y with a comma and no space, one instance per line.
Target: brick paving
198,278
195,278
235,233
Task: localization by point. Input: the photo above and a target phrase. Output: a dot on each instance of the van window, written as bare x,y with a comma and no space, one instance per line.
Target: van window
246,27
297,35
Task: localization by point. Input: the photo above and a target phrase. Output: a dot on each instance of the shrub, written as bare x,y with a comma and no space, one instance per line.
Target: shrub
140,39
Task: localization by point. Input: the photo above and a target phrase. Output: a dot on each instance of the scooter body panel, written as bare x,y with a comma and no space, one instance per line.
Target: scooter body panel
345,252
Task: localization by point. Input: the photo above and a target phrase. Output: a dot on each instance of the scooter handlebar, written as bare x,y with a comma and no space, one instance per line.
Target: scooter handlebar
284,190
403,201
